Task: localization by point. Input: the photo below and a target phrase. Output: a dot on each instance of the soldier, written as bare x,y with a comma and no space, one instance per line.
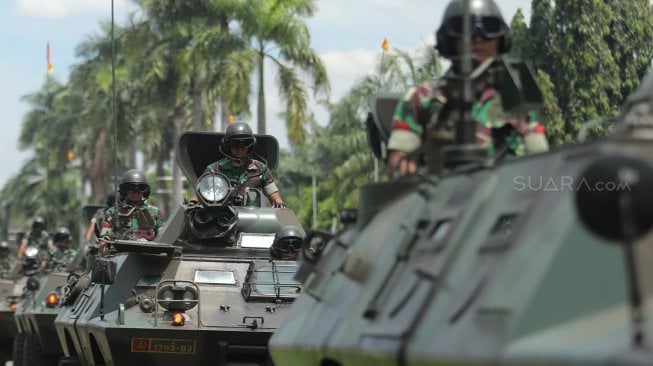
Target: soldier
431,108
37,237
6,260
240,167
287,243
98,217
61,255
135,219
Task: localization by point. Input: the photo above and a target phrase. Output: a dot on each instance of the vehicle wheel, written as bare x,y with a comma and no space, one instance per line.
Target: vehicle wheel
33,351
69,361
19,347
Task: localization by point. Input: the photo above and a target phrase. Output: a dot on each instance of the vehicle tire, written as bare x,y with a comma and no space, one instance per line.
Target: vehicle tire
69,361
19,347
33,351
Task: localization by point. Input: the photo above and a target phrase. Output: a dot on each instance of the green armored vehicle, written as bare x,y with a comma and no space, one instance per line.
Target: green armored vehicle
11,290
543,260
206,290
36,341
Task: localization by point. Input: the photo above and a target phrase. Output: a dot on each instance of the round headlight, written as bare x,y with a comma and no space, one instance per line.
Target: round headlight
31,252
213,188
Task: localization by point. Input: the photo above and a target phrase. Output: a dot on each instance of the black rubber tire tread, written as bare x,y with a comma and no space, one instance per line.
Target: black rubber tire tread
18,351
33,351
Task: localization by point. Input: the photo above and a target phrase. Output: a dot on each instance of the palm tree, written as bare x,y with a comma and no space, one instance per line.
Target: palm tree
278,34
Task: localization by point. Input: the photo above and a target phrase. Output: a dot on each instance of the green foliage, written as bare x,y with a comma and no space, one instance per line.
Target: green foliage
590,56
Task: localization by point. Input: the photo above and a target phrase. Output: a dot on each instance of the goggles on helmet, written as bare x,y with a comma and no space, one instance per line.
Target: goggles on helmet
241,142
488,27
136,188
289,245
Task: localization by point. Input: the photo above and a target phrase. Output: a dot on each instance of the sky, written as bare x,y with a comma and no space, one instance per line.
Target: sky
347,34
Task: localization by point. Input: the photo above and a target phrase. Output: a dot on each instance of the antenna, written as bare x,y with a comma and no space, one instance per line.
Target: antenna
113,108
465,128
465,151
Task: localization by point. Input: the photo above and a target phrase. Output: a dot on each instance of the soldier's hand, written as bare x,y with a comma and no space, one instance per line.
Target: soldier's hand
102,242
278,204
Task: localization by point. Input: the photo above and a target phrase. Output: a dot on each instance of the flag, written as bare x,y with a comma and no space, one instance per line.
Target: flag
47,56
385,44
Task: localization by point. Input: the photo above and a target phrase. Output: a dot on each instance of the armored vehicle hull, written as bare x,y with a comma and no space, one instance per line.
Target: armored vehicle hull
10,292
205,291
35,320
226,328
486,266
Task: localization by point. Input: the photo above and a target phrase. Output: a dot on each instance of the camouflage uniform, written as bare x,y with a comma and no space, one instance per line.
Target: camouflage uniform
58,260
136,222
39,240
98,217
6,264
257,175
424,109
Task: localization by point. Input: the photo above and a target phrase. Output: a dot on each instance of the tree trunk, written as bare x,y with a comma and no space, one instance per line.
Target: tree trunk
261,96
98,169
198,111
162,193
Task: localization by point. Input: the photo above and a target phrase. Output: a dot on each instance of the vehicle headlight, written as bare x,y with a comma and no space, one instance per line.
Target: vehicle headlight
213,188
177,298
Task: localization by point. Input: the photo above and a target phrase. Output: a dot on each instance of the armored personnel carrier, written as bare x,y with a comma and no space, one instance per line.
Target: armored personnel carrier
544,260
10,294
36,342
11,289
206,290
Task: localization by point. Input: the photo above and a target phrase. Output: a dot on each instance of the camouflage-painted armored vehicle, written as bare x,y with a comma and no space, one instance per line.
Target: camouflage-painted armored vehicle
205,291
36,342
489,265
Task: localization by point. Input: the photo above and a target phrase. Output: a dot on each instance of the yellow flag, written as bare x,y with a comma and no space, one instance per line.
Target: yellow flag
70,155
231,118
385,44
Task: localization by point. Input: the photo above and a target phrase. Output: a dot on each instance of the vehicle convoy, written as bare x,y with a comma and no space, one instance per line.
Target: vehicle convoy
36,342
542,260
208,289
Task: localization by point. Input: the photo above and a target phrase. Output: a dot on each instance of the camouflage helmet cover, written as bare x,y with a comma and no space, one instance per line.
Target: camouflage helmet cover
133,179
486,19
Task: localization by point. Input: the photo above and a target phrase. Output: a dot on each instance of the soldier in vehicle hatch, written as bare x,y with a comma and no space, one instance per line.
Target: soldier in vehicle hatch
62,254
37,237
239,166
430,111
135,219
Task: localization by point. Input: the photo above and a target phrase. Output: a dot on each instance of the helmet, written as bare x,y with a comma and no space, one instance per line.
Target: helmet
239,134
637,112
38,222
287,243
61,234
133,180
4,246
486,21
